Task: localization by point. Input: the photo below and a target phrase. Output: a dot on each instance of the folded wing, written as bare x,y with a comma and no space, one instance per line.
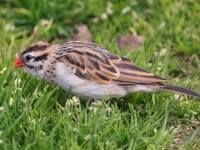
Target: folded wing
92,62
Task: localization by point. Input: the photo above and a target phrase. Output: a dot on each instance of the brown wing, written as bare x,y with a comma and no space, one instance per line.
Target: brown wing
93,62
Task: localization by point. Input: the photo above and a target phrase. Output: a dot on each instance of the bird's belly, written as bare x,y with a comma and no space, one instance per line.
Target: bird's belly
86,88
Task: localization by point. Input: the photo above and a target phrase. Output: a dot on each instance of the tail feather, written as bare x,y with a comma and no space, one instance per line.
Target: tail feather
180,90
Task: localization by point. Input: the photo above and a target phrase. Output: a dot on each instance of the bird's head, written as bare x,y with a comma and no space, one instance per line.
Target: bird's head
33,58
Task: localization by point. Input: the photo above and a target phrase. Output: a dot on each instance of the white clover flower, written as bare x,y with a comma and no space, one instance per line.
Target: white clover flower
76,129
133,31
155,130
155,53
33,121
149,64
87,137
134,14
105,118
43,133
163,52
160,64
162,24
69,114
1,141
1,108
94,108
17,82
109,109
104,16
159,68
126,10
194,112
72,102
11,101
109,8
9,27
16,55
95,20
3,70
178,96
165,133
23,100
19,89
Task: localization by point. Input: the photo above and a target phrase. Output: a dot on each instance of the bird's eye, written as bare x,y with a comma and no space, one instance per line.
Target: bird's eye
29,57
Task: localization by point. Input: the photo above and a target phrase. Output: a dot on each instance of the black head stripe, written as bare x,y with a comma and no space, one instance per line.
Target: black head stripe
35,48
35,68
42,57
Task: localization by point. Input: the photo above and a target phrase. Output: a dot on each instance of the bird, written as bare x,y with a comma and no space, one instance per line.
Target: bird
90,71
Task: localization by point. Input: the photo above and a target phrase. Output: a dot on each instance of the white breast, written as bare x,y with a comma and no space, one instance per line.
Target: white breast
85,88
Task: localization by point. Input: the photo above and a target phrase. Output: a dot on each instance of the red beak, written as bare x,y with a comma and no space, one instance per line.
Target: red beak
18,62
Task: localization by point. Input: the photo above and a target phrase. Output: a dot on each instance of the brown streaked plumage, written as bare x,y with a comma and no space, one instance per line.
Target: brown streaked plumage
90,70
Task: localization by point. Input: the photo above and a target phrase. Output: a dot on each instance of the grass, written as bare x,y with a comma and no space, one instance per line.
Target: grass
36,115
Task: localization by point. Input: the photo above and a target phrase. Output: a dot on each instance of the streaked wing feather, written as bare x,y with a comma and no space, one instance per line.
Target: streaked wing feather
93,62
